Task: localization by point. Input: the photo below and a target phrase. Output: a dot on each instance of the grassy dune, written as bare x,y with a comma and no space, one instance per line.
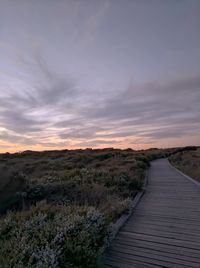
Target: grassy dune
66,202
188,162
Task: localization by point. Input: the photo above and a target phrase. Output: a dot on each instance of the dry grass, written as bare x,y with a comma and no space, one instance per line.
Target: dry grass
88,176
188,162
92,177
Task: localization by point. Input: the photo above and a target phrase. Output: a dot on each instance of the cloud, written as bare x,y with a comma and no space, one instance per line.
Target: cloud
42,97
52,111
152,111
96,143
93,21
16,139
48,87
153,102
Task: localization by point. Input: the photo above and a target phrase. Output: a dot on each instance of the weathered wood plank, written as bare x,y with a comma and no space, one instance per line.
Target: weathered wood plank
158,255
160,239
165,228
160,247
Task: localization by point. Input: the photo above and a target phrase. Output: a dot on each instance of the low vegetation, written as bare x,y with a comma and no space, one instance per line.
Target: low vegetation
53,236
188,161
64,203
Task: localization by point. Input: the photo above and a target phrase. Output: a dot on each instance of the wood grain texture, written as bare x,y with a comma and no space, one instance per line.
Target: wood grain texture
164,230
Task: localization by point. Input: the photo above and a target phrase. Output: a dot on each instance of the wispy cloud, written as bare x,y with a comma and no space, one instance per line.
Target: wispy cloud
53,110
93,21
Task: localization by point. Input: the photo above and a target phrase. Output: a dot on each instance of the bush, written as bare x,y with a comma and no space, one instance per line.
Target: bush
53,236
84,191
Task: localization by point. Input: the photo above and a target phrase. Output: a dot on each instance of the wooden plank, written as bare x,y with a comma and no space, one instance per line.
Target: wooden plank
122,262
158,255
160,247
166,234
165,216
164,240
166,228
147,259
163,220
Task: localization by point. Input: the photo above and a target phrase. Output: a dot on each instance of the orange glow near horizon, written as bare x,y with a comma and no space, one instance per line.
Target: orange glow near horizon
101,140
13,148
18,148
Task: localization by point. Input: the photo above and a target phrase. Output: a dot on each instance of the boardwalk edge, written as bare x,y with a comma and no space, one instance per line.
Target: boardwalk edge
184,175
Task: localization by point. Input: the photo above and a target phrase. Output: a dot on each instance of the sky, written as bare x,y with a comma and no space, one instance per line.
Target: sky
99,73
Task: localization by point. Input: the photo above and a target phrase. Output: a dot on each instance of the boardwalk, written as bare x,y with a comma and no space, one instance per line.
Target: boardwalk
164,230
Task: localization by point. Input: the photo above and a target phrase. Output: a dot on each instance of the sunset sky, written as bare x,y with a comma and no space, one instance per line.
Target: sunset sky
113,73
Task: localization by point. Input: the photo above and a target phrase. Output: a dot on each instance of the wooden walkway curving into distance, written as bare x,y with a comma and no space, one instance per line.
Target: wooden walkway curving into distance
164,230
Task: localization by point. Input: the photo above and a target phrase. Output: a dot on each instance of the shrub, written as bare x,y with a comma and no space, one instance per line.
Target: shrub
53,236
84,191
